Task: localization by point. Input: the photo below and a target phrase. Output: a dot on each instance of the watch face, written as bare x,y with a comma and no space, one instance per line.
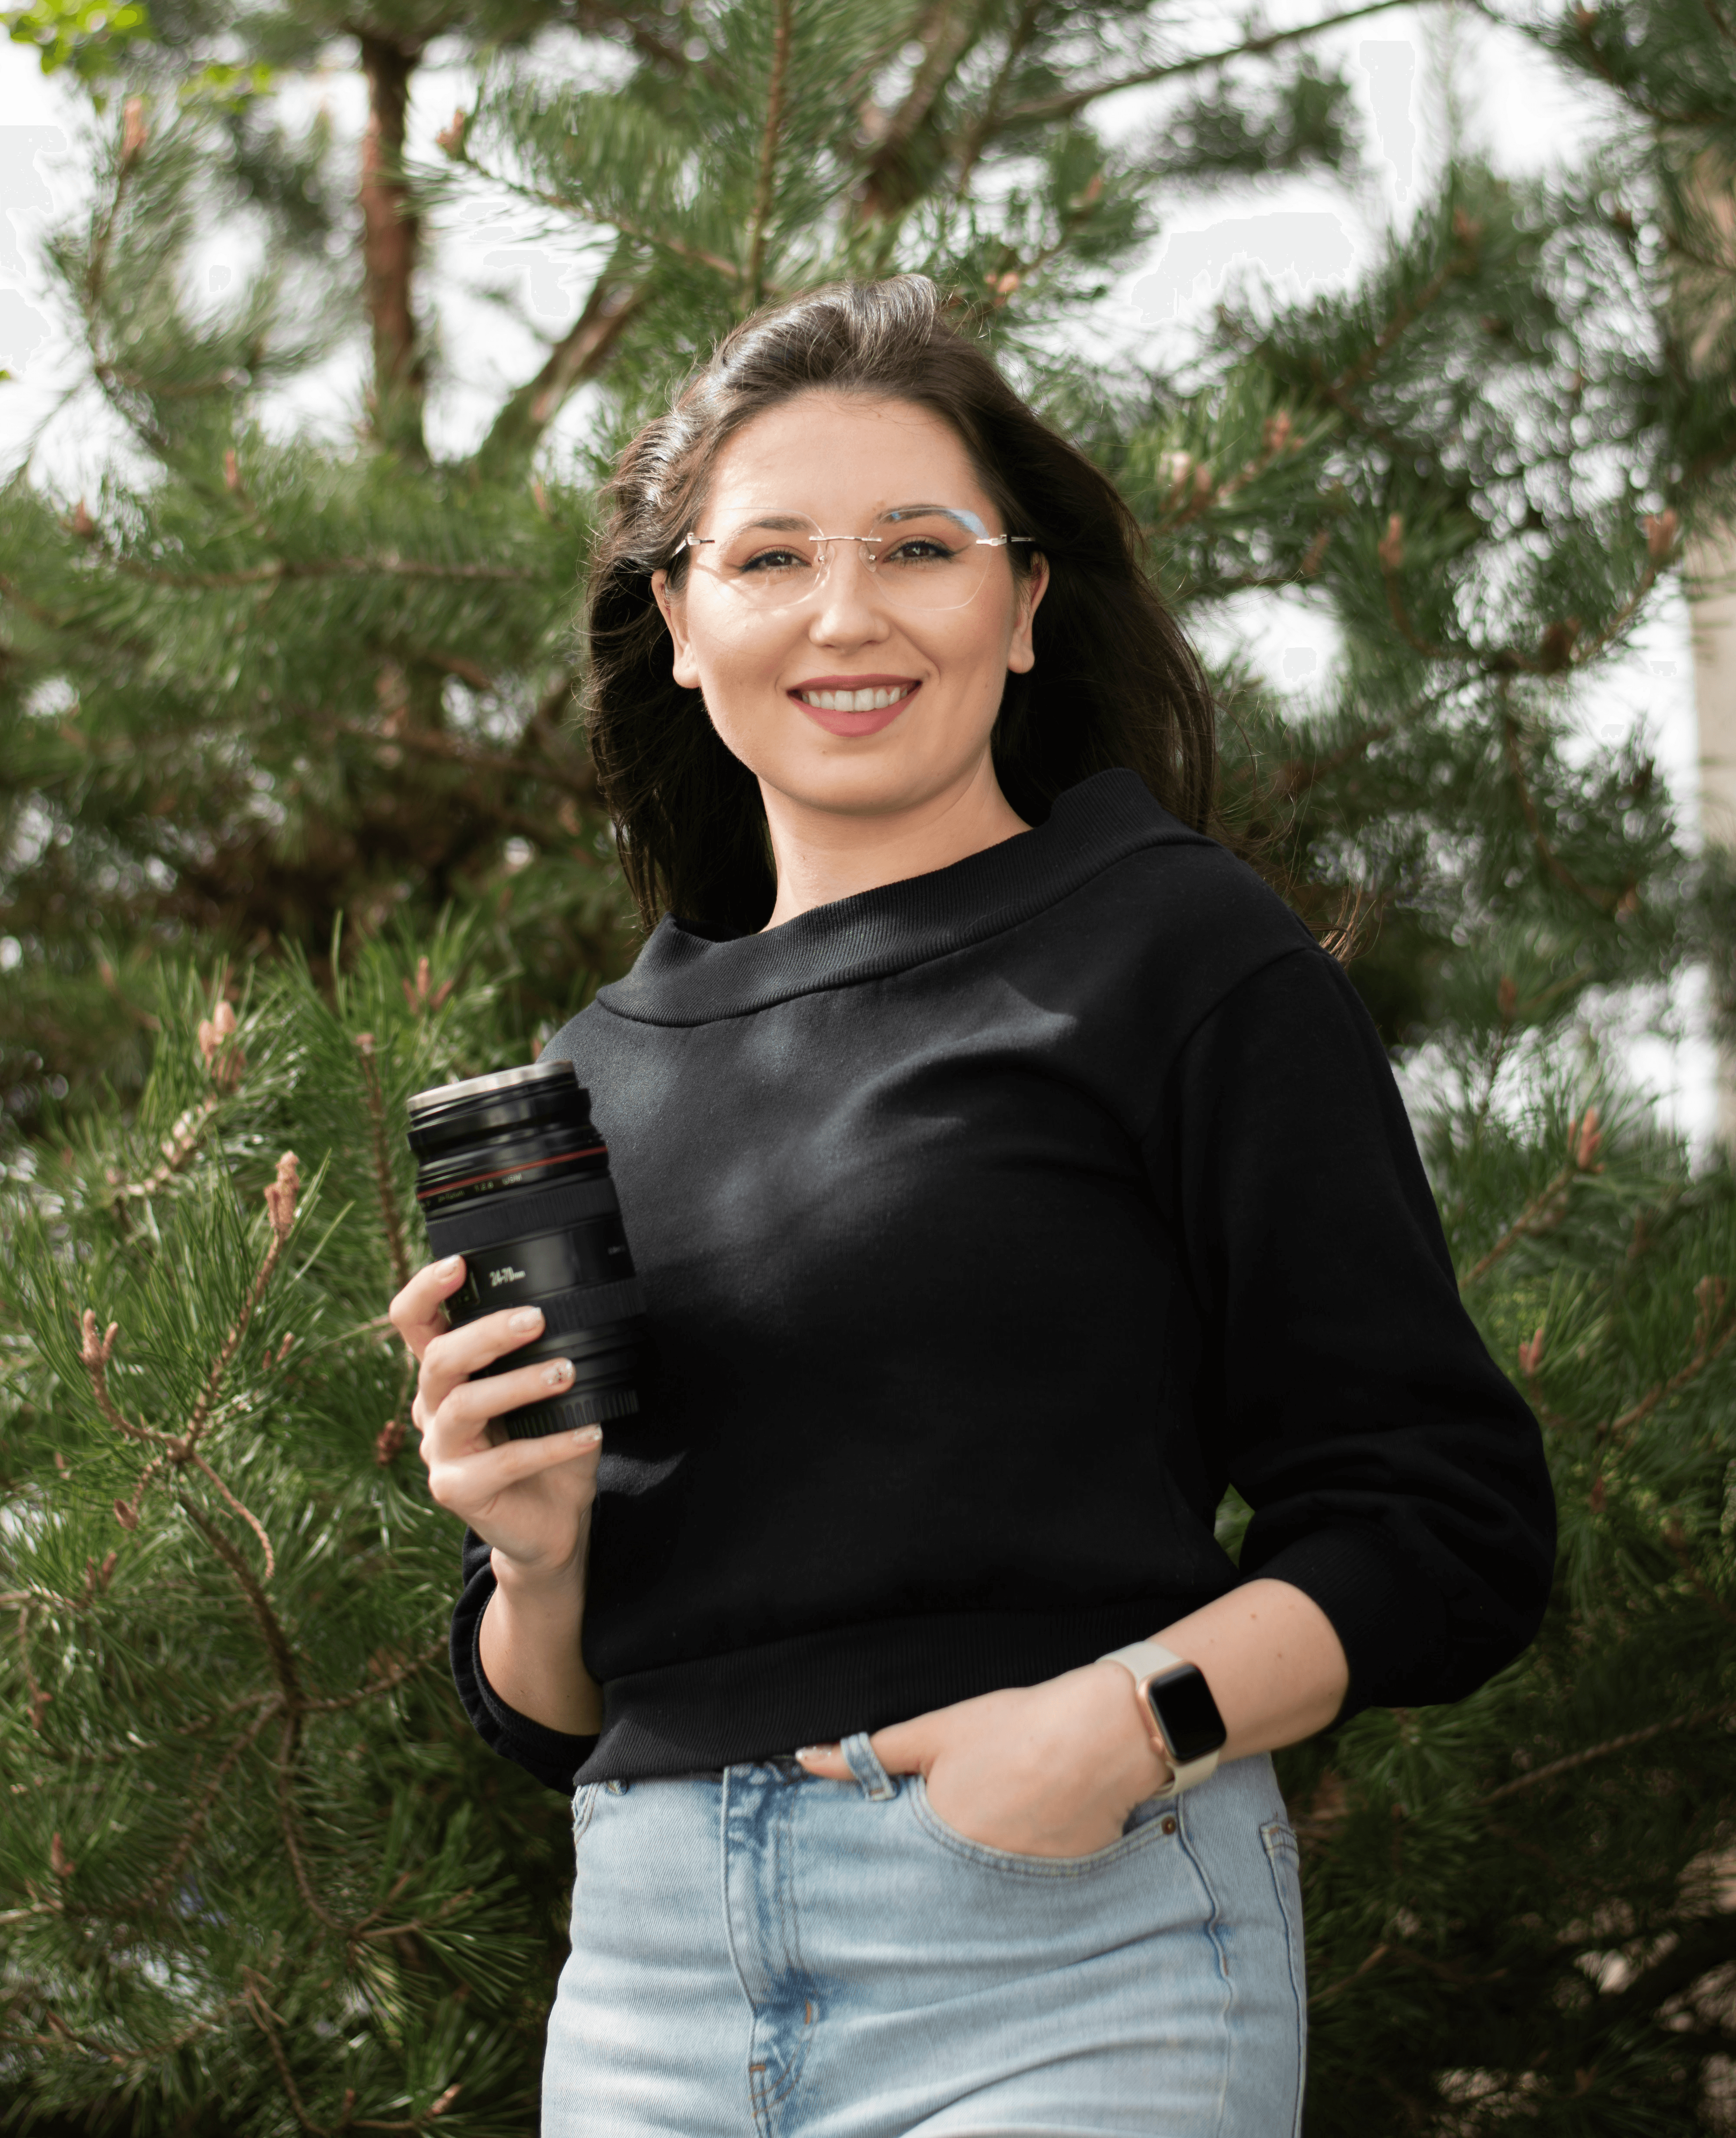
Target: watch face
1186,1714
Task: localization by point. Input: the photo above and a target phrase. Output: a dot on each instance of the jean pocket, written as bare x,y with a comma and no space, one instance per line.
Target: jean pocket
584,1801
915,1792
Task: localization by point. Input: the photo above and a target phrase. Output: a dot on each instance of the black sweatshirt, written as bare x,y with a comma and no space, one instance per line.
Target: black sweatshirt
990,1224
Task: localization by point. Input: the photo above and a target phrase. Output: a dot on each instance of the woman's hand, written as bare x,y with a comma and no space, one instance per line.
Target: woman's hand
1045,1770
530,1499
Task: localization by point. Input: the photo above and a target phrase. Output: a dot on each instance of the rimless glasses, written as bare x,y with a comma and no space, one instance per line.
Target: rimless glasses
918,556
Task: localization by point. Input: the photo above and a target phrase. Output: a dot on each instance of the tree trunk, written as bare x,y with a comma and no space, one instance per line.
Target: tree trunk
391,235
1711,572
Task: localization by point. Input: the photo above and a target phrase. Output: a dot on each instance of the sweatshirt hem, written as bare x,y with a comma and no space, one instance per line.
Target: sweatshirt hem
763,1703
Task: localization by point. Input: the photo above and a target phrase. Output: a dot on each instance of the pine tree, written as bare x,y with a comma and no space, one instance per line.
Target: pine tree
246,1822
260,1878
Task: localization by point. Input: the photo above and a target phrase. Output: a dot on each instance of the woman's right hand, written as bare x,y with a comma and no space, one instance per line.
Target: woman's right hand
530,1499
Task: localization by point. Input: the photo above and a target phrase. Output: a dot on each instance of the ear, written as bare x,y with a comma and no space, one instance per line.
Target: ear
1022,653
675,615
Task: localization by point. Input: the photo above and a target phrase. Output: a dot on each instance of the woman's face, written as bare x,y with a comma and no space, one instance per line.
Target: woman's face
847,699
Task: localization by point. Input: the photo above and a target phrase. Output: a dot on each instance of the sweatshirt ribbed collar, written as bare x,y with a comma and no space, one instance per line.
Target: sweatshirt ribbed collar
683,977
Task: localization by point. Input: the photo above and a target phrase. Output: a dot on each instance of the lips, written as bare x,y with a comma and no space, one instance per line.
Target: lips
855,704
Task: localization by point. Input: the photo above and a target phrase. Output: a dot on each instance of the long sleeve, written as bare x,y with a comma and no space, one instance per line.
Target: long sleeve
1397,1476
551,1755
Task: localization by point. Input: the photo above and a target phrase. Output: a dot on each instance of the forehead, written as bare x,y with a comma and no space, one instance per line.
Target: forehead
837,456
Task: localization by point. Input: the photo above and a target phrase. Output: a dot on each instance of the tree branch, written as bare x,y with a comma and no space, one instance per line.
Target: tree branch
765,182
1065,103
285,568
580,355
391,1218
948,34
391,235
1605,902
610,219
280,1204
1293,780
1719,1322
159,1887
1556,1768
287,1751
981,130
387,1681
428,742
94,1352
276,1640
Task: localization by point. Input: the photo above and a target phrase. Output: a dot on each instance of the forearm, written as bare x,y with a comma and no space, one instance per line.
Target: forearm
1275,1666
530,1648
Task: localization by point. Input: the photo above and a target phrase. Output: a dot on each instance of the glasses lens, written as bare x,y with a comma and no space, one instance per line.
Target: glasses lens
928,556
771,559
922,557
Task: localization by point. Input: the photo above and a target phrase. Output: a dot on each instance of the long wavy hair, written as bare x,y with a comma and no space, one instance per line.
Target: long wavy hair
1115,683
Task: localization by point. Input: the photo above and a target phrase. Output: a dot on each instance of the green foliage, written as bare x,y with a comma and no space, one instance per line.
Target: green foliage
267,677
256,1864
1518,1909
90,36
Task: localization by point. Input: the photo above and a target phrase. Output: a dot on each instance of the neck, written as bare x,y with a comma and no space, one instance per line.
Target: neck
822,855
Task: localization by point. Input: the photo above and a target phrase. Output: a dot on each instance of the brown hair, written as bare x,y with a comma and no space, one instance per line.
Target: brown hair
1115,683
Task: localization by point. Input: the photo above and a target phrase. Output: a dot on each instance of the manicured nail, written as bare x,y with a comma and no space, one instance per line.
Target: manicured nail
816,1751
449,1268
587,1436
561,1370
527,1317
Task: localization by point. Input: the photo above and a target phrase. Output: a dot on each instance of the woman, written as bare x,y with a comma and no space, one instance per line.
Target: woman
1008,1172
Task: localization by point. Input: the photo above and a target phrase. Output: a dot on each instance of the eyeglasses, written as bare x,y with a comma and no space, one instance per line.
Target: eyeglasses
919,556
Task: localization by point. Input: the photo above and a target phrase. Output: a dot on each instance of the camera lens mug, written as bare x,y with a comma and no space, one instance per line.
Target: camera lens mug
512,1175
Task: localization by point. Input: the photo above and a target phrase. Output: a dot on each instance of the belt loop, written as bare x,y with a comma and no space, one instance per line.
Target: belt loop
864,1763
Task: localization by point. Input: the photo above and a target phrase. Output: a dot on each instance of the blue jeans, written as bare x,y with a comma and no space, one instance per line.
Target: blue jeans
763,1952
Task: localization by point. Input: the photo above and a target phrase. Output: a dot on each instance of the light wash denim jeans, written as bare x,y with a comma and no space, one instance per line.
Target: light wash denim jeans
763,1952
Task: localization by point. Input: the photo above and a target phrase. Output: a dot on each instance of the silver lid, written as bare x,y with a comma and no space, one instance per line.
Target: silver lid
502,1080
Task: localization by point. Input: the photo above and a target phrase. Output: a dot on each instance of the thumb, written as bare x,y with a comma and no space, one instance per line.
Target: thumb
905,1748
826,1761
901,1750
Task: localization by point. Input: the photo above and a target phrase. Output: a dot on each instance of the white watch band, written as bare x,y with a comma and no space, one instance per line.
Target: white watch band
1148,1659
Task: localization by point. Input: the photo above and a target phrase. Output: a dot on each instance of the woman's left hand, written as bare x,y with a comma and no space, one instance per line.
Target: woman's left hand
1049,1770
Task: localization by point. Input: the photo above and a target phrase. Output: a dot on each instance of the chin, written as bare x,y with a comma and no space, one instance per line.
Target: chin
856,786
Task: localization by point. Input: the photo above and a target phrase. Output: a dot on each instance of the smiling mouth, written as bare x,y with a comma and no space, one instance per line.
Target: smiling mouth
875,699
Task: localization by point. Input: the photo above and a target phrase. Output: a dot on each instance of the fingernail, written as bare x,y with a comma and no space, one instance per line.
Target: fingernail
587,1436
450,1267
561,1370
815,1751
527,1317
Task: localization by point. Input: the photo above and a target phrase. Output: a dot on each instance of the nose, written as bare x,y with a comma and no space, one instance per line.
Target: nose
850,611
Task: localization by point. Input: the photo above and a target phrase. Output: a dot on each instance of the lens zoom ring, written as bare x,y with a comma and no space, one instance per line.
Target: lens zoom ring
517,1215
591,1306
584,1407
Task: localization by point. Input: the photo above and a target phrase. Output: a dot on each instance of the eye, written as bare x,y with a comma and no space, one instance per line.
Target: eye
771,560
920,550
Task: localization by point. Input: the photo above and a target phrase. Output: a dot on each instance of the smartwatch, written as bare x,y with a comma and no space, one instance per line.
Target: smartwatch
1176,1707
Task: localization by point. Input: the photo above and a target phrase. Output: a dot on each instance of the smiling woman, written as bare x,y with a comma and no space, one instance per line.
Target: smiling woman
860,688
1010,1173
822,409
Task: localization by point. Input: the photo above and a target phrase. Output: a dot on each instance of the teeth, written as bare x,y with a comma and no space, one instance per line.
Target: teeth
855,701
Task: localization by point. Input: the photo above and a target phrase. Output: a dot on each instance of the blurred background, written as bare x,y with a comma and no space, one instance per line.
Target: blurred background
1408,332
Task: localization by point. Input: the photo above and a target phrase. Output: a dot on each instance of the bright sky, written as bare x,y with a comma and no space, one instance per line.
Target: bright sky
1302,236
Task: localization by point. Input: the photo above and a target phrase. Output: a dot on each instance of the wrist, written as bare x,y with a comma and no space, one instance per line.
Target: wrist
1133,1747
536,1584
1175,1706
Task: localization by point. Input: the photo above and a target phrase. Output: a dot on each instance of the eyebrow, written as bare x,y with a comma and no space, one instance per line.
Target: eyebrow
784,522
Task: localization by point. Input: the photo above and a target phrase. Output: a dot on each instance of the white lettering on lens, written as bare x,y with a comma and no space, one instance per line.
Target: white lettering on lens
506,1276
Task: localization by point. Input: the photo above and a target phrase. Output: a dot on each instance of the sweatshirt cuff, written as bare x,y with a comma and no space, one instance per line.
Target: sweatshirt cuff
551,1755
1389,1625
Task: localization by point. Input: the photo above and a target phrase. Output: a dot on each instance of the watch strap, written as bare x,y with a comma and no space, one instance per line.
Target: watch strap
1143,1661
